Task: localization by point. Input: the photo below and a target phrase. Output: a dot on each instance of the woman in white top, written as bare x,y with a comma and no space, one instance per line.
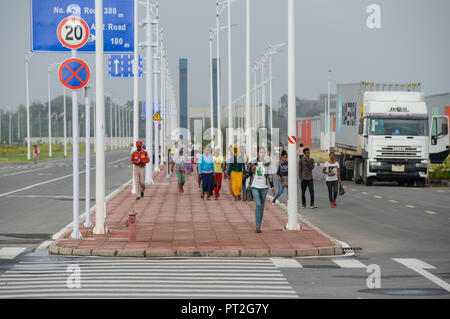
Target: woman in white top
260,180
333,172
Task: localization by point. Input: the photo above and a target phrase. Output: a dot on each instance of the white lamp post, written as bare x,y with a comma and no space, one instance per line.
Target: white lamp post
156,58
28,56
292,178
49,69
100,125
248,80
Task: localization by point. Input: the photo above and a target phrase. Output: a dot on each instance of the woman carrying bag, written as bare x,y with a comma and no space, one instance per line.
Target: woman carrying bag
332,178
260,180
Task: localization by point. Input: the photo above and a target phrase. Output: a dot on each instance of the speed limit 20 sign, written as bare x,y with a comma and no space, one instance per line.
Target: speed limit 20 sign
73,32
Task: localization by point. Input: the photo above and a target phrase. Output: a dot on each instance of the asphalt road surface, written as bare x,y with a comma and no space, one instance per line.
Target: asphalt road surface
382,222
398,239
36,200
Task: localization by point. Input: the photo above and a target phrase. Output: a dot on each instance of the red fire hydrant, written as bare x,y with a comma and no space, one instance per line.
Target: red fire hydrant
131,224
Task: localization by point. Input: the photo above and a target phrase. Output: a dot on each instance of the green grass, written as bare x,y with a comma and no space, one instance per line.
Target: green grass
441,171
319,156
18,153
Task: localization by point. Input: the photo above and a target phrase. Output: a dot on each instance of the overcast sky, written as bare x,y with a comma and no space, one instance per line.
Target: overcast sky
412,45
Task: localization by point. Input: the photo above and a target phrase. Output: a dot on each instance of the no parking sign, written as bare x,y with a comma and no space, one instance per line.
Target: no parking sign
74,73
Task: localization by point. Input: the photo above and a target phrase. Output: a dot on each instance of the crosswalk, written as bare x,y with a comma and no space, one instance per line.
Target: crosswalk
141,278
263,278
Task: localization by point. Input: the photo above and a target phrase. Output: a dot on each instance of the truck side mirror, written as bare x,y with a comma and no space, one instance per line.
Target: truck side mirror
361,126
433,140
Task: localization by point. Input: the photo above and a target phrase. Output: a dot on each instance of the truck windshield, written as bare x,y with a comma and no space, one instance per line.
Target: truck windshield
415,127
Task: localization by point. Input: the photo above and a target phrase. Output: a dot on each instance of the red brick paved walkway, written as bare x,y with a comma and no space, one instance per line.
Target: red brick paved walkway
173,224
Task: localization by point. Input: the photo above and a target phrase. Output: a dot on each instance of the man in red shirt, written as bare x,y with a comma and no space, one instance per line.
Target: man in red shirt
139,158
35,154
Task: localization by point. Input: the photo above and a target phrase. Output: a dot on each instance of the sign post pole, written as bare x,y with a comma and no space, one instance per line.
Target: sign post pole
73,33
75,162
87,142
65,123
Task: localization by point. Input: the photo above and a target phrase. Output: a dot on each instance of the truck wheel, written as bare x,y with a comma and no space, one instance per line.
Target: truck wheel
366,180
357,171
410,183
343,170
421,182
401,183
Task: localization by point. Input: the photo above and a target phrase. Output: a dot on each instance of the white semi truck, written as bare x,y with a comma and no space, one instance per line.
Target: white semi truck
384,132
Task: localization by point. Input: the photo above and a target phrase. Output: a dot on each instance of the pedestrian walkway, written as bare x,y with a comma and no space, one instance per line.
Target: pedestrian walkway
146,278
173,224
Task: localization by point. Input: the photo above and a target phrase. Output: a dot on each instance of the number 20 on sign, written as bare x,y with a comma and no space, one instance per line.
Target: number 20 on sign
73,32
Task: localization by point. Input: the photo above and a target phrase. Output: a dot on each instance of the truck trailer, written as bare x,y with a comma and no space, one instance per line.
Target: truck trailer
384,133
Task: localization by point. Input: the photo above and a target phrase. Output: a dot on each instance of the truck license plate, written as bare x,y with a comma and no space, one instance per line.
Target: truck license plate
398,168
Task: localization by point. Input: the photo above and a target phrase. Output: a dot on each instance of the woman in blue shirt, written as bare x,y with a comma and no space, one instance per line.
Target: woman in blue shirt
206,171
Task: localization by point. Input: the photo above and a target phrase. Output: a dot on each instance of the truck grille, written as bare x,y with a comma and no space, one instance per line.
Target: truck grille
393,151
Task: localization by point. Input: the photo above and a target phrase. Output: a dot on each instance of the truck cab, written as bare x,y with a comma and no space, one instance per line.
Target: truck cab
395,138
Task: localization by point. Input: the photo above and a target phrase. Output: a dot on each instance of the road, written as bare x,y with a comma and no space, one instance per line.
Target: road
393,229
36,202
382,222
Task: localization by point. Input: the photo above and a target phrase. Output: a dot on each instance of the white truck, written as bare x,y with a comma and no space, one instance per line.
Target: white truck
383,133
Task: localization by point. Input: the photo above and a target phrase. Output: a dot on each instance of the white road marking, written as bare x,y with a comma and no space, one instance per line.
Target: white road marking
11,252
49,181
349,263
286,263
41,196
419,266
23,172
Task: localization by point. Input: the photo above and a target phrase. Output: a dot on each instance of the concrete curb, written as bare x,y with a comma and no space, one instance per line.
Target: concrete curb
232,253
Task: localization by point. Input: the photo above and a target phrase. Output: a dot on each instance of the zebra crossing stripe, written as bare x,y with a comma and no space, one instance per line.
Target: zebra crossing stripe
286,263
349,263
11,252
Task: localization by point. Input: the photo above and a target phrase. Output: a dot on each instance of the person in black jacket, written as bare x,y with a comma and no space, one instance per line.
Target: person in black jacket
260,179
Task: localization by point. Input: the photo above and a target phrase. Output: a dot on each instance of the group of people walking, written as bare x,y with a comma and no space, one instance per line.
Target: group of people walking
247,179
306,166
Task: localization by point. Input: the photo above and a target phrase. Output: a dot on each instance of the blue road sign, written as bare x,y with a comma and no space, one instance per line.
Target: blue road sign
118,20
121,66
144,106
